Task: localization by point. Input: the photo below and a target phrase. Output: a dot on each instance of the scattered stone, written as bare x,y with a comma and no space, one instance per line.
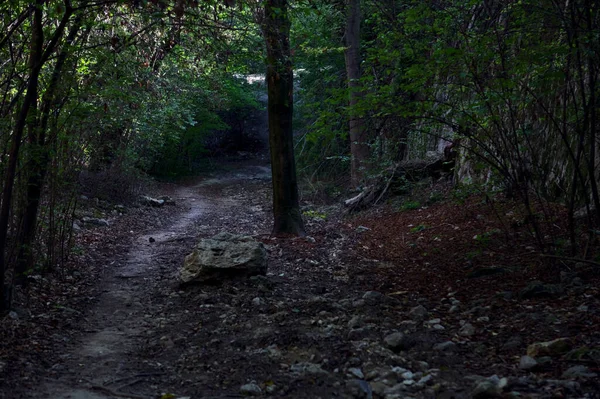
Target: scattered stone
454,309
551,348
579,371
379,388
257,301
250,390
224,255
362,229
371,375
372,297
358,334
168,200
428,379
418,313
355,322
76,227
359,303
359,389
572,386
151,239
356,372
407,325
407,375
447,346
584,353
486,389
514,342
527,363
95,221
467,330
537,289
149,201
307,368
397,342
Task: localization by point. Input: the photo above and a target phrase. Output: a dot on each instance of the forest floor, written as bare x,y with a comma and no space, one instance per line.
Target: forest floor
433,302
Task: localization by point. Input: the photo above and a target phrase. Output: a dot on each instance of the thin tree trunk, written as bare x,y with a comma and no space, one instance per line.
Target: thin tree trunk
286,208
359,146
39,163
35,64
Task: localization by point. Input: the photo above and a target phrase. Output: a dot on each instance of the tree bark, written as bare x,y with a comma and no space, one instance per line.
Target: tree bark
39,161
286,208
359,146
30,100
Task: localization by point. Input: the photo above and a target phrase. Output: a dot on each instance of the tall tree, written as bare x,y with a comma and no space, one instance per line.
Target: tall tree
276,30
359,147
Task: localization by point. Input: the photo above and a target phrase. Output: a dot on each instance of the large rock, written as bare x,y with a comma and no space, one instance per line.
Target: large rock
557,347
224,256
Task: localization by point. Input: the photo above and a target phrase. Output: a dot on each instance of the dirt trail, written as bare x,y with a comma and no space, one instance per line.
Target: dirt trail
104,362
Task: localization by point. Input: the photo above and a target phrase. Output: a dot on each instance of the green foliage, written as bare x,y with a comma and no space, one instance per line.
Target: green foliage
410,205
418,228
312,214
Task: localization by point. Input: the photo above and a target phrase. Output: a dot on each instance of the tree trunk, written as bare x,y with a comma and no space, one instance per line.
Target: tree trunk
35,64
286,208
359,146
38,164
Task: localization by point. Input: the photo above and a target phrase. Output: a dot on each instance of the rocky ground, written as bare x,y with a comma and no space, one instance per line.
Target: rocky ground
433,302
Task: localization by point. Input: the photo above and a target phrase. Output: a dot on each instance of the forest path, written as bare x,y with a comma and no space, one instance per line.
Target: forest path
123,320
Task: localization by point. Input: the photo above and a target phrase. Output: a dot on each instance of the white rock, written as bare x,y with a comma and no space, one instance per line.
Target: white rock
250,389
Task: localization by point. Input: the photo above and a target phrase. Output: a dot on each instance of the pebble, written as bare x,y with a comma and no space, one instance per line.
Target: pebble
467,330
307,368
485,389
372,297
371,375
527,363
355,322
357,334
356,372
578,371
408,375
250,389
426,379
418,313
359,303
397,341
447,346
